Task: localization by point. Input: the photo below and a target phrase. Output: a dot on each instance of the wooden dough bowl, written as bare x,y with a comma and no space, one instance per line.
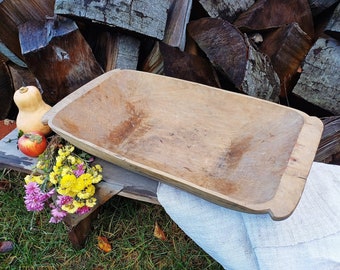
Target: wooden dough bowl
234,150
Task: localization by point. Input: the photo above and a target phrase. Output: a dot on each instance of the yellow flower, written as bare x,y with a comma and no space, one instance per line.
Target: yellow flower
78,204
53,178
39,179
91,202
88,192
71,159
68,180
70,208
97,179
65,171
98,168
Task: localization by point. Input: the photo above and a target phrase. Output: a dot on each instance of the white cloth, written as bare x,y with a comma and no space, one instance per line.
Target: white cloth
308,239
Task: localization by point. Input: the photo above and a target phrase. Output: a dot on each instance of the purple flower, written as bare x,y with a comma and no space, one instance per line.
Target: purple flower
80,170
62,200
34,198
57,215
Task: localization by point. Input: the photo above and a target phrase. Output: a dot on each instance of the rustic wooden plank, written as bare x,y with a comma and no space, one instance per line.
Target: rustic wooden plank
178,18
58,56
333,27
226,9
231,53
15,12
171,61
268,14
144,17
287,47
319,80
131,185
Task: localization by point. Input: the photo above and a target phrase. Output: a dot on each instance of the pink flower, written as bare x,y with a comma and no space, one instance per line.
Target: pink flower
62,200
80,170
34,198
83,210
57,215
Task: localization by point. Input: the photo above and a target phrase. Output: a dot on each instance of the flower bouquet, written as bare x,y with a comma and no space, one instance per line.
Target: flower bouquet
64,178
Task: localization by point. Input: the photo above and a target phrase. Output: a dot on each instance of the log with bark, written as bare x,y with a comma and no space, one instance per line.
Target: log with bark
319,80
14,13
113,49
287,47
144,17
232,54
270,14
333,26
58,56
6,92
171,61
226,9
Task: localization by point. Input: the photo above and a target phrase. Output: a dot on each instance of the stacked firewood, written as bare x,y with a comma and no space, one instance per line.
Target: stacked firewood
282,51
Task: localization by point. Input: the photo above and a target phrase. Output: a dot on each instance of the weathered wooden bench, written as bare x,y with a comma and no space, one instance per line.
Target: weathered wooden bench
118,181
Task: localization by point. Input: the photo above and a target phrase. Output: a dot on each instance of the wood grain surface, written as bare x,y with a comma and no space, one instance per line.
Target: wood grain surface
235,150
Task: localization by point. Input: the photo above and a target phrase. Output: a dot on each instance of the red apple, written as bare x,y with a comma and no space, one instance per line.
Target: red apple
32,144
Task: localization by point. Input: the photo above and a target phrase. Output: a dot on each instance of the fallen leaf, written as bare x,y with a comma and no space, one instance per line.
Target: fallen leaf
104,244
158,232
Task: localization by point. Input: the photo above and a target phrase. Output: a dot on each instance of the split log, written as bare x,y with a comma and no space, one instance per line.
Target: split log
178,18
329,147
319,6
6,90
269,14
14,13
21,76
144,17
333,27
58,56
287,47
5,52
319,80
113,49
226,9
231,53
172,62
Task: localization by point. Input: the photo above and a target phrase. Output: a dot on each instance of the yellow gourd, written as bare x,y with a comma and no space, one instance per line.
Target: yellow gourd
31,110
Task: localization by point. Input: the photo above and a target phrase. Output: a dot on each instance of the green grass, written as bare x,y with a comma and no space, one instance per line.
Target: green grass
127,224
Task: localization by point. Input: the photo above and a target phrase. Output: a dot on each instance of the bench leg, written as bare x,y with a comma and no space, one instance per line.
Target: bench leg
79,233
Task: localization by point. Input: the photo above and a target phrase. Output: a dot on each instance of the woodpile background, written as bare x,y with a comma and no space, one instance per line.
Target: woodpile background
282,51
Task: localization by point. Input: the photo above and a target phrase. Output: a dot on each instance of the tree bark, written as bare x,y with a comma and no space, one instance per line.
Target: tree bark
144,17
226,9
333,27
319,80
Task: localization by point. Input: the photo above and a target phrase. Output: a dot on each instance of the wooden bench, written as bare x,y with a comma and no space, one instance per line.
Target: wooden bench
118,181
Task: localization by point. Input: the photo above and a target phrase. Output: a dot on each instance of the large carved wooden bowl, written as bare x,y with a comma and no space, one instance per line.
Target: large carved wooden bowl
234,150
